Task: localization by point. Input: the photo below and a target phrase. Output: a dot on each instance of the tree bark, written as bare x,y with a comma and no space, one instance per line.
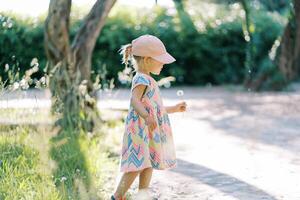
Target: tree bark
289,56
70,66
57,31
249,68
287,62
85,39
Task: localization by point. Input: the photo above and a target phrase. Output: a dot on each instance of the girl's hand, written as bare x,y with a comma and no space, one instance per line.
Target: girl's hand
151,123
180,107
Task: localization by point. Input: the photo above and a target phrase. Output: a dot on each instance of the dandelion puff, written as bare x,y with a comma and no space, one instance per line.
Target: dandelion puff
180,93
63,179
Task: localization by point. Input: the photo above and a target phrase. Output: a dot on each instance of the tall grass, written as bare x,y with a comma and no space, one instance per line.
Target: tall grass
24,173
37,163
41,161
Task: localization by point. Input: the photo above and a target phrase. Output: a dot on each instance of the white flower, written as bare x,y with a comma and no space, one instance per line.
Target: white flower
6,67
82,89
89,134
35,68
123,77
16,86
34,62
84,82
43,80
180,93
63,179
167,85
89,99
24,84
10,25
127,70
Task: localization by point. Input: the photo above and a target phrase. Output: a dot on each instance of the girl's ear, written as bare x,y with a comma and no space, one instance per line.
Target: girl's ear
147,60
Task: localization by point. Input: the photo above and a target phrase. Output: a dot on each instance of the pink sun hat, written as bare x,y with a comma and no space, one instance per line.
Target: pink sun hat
151,46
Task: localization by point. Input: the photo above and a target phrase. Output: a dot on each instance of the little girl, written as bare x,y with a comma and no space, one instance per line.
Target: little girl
148,140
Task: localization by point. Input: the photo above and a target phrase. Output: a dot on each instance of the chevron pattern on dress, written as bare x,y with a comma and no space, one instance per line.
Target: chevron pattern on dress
154,157
133,156
156,137
163,138
130,116
170,162
151,93
166,119
141,131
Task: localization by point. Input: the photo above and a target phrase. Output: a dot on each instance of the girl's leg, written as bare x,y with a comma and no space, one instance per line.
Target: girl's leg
145,178
125,183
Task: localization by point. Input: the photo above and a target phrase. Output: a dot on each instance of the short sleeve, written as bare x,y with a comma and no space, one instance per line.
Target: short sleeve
140,79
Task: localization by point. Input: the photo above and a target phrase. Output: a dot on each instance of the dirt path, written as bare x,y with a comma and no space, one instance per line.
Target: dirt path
233,145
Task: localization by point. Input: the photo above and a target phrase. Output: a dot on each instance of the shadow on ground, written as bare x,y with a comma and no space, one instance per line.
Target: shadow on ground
225,183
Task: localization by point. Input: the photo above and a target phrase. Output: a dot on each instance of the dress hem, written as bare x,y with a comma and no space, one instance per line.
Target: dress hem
165,168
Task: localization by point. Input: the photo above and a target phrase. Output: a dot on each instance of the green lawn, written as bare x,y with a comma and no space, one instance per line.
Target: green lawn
37,163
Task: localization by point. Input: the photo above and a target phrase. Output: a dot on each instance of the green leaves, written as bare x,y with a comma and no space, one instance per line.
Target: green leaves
215,53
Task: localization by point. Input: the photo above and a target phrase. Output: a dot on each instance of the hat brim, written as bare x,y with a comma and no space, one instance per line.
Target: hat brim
165,58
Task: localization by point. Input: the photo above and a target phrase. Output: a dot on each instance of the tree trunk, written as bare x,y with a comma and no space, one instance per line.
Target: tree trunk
85,40
69,67
248,32
287,62
289,57
186,21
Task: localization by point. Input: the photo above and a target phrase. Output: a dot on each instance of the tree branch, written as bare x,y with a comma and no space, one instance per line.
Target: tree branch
57,30
85,39
92,25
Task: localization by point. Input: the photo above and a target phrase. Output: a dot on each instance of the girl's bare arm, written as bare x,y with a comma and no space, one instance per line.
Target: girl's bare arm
170,109
136,101
180,107
139,107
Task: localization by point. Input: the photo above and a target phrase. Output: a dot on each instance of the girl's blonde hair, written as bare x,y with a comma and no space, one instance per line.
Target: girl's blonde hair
128,58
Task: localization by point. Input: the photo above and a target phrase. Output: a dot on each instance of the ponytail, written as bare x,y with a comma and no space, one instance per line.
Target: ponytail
126,52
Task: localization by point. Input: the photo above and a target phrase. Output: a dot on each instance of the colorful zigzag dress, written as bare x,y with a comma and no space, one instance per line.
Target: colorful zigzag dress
142,149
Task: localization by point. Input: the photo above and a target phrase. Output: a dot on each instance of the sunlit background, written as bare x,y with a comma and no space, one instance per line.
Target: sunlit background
35,8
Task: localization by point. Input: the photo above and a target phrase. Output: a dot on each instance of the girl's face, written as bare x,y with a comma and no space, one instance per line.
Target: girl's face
153,66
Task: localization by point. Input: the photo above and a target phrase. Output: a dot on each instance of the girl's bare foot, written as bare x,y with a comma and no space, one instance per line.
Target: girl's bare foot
144,194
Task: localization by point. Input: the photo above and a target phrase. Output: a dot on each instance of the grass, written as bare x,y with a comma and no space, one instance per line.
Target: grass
37,163
19,116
